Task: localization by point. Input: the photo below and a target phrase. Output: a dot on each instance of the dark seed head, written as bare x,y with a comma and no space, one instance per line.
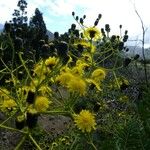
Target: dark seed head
30,97
126,62
73,13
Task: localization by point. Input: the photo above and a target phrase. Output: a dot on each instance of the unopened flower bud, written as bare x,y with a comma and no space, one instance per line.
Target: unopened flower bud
84,16
96,22
126,62
73,27
32,118
81,21
20,122
77,18
107,28
136,56
126,32
73,13
30,97
99,16
56,35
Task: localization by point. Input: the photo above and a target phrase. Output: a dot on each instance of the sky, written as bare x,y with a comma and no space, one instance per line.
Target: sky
57,14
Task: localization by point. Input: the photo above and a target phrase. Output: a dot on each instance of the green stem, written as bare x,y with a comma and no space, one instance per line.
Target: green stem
91,142
116,79
8,118
34,142
65,113
23,63
13,129
20,143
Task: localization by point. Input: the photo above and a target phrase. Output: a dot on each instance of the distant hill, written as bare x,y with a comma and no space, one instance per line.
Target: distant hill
133,50
50,35
1,27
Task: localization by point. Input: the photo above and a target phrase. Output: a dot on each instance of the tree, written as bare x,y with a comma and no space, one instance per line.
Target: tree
38,31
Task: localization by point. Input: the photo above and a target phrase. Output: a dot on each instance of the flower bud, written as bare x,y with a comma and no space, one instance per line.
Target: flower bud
20,122
126,32
73,27
73,13
84,16
125,38
121,46
56,35
77,18
136,56
126,62
107,28
99,16
32,118
96,22
81,21
62,48
30,97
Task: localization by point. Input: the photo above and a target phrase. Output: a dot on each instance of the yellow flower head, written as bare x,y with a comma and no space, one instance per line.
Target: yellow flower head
81,64
87,57
77,70
8,104
85,121
4,94
64,78
93,84
41,103
40,69
85,45
76,84
99,74
51,62
45,90
92,33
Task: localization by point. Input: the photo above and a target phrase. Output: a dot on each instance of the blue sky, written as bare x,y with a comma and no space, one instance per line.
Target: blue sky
57,13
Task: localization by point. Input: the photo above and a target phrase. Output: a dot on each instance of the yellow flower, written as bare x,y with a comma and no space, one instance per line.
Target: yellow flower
8,104
93,84
40,69
44,89
99,74
77,70
87,57
4,94
76,84
81,64
41,103
64,78
92,33
86,45
85,121
51,62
